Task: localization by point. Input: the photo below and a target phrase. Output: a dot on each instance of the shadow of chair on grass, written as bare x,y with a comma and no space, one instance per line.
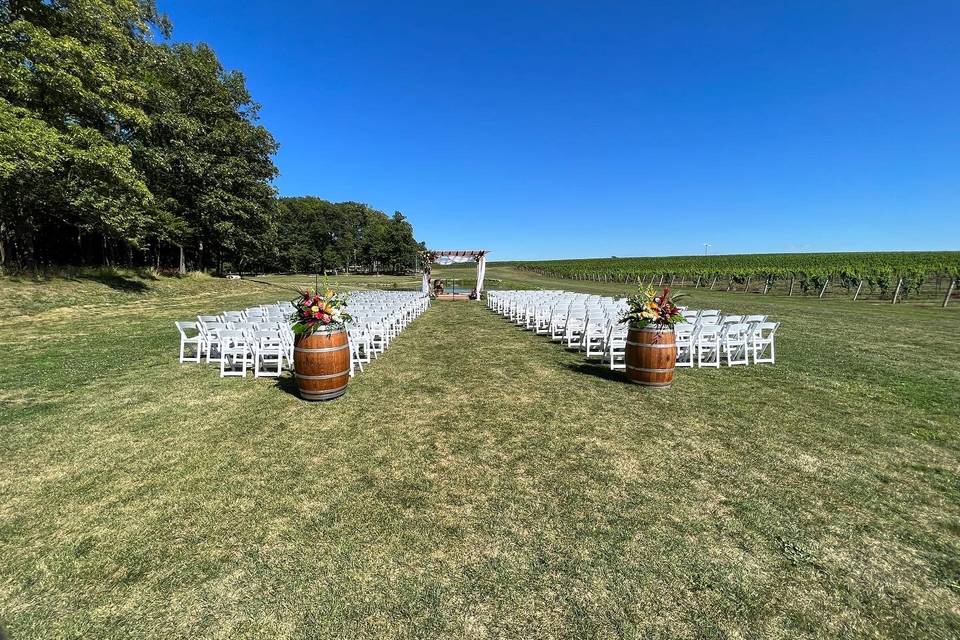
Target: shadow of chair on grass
601,371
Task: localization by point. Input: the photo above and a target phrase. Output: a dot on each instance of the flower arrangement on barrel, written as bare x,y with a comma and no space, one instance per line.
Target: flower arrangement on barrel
321,353
315,311
650,307
651,352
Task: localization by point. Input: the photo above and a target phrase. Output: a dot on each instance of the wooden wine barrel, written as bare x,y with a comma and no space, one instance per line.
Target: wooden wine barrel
321,363
651,356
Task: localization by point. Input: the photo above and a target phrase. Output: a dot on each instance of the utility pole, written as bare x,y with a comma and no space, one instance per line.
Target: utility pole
706,247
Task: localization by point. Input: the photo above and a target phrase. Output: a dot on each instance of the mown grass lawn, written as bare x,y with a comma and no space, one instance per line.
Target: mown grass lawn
476,481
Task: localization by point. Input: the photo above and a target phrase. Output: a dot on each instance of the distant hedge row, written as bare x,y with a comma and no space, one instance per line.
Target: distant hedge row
879,271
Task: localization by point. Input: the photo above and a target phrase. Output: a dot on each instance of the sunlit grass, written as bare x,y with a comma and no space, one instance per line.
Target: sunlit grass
476,481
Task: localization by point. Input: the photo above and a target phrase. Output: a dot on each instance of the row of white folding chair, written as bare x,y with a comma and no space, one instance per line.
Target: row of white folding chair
564,315
740,342
216,337
264,350
377,320
214,344
579,321
724,322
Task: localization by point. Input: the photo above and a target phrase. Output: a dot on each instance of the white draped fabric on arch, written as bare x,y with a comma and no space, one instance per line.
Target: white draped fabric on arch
458,256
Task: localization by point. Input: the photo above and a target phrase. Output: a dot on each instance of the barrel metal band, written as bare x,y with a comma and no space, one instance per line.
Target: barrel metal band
322,350
322,394
328,376
650,345
646,370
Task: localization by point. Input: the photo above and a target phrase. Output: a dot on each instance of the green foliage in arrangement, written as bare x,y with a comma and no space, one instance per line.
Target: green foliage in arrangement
880,271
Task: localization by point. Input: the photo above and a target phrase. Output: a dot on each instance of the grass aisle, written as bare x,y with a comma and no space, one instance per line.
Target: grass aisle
476,481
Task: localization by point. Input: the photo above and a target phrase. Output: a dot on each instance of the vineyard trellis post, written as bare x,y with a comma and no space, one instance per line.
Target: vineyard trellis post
896,294
825,283
791,287
696,286
714,281
859,286
946,299
746,287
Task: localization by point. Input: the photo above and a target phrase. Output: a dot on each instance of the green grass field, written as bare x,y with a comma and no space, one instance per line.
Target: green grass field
477,481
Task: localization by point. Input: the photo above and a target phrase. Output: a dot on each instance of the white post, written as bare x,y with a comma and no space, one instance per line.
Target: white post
426,282
481,272
859,286
896,294
946,298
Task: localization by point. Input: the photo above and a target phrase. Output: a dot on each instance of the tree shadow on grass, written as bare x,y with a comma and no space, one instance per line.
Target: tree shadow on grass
116,281
599,371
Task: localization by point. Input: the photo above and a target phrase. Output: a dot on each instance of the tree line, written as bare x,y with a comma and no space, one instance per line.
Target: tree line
120,147
319,236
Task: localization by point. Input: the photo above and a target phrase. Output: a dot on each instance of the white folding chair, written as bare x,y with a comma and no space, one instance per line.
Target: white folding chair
185,329
268,354
762,342
211,338
617,345
683,335
735,343
235,352
708,345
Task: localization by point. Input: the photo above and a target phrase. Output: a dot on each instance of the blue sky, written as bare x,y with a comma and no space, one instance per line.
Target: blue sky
553,129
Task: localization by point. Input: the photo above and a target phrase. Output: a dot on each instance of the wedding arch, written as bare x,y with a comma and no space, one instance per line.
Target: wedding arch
455,257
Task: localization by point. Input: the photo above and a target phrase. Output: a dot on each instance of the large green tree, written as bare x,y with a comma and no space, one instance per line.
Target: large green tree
206,159
316,235
116,145
71,77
